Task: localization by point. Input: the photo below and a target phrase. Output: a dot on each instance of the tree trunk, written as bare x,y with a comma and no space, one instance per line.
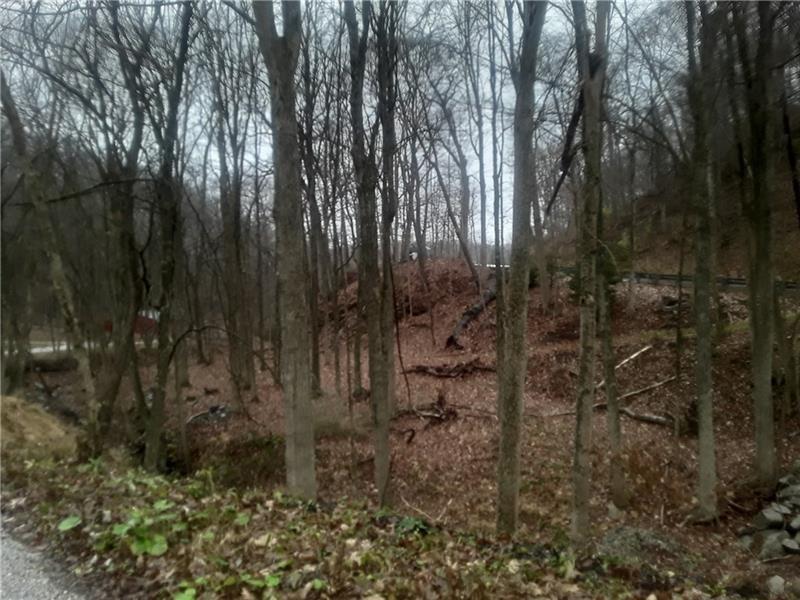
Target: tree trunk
618,490
316,243
511,380
592,77
230,207
383,398
540,258
698,88
375,293
463,241
791,155
757,73
168,199
280,53
497,206
631,191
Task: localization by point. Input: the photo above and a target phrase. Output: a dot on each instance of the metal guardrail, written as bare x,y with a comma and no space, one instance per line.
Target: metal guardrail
672,279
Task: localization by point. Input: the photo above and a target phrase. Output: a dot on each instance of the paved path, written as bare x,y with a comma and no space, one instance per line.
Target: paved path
26,574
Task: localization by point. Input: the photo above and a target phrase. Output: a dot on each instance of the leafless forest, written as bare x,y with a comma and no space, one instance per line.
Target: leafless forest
404,299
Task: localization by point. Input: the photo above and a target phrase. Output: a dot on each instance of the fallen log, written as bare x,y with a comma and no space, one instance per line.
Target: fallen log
51,363
451,371
473,312
667,421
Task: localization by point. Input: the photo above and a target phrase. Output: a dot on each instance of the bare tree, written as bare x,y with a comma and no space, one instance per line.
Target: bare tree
168,199
61,284
699,94
756,68
511,377
280,53
591,70
233,87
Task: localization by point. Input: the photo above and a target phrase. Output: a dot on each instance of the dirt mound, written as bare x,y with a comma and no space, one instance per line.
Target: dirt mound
28,429
449,279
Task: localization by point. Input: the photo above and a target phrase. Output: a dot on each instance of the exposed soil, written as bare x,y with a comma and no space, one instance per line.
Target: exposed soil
444,468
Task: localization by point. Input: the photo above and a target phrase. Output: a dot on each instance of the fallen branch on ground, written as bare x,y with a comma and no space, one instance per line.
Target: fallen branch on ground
431,520
481,412
435,412
623,410
215,412
626,361
666,421
646,389
453,370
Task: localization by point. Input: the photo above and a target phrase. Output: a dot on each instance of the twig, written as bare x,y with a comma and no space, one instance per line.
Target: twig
738,507
567,413
247,18
481,411
645,418
420,511
627,360
444,510
777,558
646,389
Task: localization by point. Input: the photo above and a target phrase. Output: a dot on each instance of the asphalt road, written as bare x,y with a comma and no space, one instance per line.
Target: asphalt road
27,574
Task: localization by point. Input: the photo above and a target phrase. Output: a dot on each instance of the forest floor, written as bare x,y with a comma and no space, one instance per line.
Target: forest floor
443,469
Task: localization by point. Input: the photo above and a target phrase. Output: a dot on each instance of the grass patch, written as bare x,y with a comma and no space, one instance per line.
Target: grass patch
29,430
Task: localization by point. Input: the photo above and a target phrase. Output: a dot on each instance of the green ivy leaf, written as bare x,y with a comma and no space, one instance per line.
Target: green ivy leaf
242,519
179,527
154,545
207,536
138,546
408,525
283,564
252,581
187,594
162,505
158,545
318,584
70,522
